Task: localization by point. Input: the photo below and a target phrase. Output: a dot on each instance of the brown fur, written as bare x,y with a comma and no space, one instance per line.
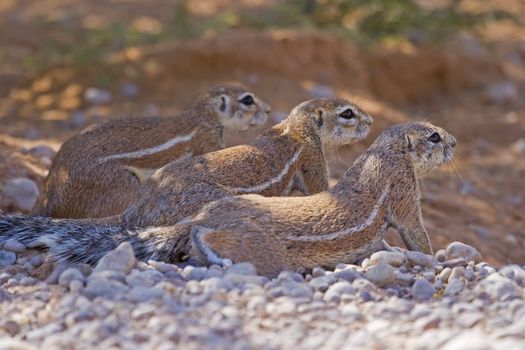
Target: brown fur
179,189
98,172
341,225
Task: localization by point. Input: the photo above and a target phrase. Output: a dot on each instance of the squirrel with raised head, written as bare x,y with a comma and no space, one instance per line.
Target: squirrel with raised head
96,173
341,225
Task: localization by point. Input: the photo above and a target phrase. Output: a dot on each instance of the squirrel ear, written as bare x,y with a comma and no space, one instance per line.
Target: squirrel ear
409,142
224,99
319,117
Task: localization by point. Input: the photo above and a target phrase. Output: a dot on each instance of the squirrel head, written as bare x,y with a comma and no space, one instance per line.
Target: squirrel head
238,108
338,122
427,146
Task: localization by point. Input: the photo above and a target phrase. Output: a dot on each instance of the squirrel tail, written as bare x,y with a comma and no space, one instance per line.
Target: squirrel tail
85,241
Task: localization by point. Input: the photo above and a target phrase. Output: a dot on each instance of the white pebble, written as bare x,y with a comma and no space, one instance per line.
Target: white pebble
14,246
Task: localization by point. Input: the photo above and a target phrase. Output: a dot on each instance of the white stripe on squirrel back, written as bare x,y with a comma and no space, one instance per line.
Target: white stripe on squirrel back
270,182
349,231
152,150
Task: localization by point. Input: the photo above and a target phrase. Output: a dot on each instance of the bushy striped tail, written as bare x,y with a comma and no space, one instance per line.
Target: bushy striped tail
83,241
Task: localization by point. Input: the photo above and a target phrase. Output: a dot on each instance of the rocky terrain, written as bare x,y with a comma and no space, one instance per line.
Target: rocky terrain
393,300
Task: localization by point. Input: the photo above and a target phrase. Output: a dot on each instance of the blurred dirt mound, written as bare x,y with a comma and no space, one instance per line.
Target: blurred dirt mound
398,76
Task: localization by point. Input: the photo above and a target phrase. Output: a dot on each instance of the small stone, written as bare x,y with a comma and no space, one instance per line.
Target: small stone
502,92
129,90
454,287
143,294
20,193
418,258
500,287
295,289
42,151
97,96
441,255
109,275
445,274
422,289
36,260
429,275
69,275
381,274
213,271
347,275
417,269
27,281
146,278
427,322
457,272
514,272
455,262
317,271
365,263
469,273
14,246
244,268
7,258
121,259
290,276
438,284
351,311
76,286
391,258
518,147
4,277
77,119
194,273
163,267
469,340
11,327
404,278
86,269
241,281
337,290
468,319
214,284
466,187
321,283
461,250
101,287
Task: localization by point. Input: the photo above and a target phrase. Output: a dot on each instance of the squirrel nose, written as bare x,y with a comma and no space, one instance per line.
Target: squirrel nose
368,120
453,142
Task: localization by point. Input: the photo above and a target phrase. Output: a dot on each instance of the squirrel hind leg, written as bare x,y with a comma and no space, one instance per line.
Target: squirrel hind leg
201,252
140,173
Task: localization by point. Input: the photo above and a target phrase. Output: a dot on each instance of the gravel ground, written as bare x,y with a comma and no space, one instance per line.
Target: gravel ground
392,300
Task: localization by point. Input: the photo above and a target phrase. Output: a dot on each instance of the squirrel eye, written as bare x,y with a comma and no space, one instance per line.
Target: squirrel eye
347,114
247,100
435,138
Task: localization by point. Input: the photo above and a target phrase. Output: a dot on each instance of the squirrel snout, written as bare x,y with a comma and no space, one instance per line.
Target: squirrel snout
452,142
368,120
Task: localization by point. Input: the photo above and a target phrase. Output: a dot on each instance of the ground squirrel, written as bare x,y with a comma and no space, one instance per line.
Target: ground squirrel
97,172
288,156
341,225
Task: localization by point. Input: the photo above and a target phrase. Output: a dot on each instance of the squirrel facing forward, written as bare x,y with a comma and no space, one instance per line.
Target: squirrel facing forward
290,155
94,174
